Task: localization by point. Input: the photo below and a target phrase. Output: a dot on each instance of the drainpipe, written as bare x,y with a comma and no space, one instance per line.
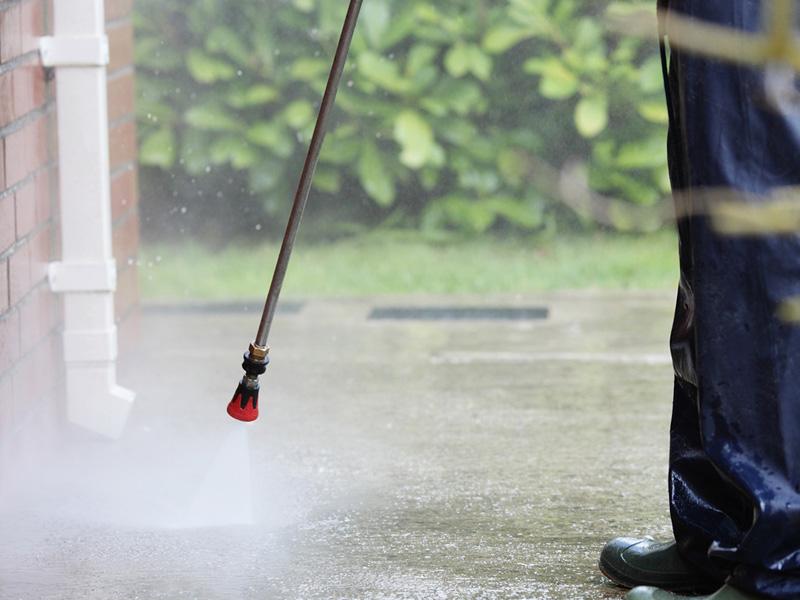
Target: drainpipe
86,274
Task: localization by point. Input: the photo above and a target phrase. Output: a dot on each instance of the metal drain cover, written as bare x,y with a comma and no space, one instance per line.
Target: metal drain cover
458,313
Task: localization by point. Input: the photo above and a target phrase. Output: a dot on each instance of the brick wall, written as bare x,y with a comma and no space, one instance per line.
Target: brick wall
122,149
30,315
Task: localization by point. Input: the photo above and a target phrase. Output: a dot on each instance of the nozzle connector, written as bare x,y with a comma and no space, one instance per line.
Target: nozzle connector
244,404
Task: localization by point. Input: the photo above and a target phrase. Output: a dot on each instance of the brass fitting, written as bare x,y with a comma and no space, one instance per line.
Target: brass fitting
258,353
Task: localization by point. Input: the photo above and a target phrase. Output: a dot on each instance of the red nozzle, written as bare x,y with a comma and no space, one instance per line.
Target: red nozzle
244,405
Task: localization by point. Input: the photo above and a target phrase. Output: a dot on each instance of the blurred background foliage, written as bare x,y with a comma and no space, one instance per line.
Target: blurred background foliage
446,108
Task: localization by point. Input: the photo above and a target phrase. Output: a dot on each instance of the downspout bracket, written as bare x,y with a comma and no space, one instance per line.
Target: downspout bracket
82,276
74,51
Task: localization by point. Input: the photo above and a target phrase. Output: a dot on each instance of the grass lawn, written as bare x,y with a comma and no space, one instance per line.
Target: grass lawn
393,263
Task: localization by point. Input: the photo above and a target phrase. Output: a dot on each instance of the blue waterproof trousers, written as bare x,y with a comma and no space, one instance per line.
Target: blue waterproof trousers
734,480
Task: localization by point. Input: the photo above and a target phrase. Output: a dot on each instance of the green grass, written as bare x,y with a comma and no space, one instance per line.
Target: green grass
392,263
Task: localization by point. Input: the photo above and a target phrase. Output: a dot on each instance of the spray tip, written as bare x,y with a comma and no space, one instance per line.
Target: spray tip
244,405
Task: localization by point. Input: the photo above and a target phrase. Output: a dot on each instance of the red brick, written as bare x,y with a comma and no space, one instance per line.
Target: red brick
6,98
40,255
10,33
124,194
3,286
7,228
6,415
26,151
118,9
120,45
126,241
19,273
31,327
42,193
28,88
127,295
9,340
30,382
121,93
122,144
2,164
36,318
25,209
32,24
128,330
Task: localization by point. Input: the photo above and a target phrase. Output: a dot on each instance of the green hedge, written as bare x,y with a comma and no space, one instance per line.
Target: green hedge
445,109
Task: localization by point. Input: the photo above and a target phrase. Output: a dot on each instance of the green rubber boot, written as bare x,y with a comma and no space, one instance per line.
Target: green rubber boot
632,562
726,592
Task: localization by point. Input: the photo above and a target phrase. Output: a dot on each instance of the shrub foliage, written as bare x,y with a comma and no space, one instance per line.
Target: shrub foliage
445,107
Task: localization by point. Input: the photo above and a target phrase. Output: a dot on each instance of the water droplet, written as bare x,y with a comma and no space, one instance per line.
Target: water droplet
258,226
184,210
350,83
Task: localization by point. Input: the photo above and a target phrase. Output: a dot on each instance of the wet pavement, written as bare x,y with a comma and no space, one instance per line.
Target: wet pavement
484,456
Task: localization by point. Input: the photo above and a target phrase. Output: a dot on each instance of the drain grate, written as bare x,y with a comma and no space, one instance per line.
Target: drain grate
458,313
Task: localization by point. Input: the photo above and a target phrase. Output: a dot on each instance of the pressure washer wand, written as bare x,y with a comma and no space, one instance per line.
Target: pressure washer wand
244,405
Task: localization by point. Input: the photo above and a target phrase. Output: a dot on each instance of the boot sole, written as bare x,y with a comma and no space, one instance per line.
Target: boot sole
692,589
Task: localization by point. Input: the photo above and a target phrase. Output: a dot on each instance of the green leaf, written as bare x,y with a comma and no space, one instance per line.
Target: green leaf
457,60
211,118
516,211
158,149
206,69
644,154
383,72
256,95
309,69
654,112
299,114
480,63
501,38
375,17
375,178
512,165
222,40
233,150
591,115
327,180
272,135
415,137
466,58
557,81
651,75
419,57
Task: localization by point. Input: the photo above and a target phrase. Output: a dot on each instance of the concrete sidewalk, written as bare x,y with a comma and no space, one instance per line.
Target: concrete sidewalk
393,458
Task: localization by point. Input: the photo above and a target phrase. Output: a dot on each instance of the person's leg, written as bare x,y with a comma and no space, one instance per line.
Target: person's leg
735,437
703,505
735,454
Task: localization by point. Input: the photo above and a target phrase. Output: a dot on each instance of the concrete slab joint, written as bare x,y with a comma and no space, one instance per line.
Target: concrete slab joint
74,51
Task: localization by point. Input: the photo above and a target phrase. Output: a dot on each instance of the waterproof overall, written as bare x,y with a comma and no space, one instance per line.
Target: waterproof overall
734,479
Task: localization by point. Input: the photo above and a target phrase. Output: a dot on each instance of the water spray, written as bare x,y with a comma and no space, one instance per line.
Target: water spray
244,405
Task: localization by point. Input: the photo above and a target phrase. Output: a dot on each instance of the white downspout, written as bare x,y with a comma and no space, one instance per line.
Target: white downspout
86,275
